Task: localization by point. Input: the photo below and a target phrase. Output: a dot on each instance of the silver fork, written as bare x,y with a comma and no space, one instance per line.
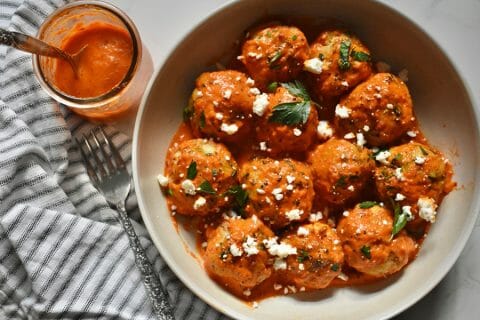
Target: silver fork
112,179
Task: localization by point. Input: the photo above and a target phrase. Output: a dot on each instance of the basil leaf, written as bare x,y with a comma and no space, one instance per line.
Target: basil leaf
192,170
291,113
360,56
343,62
202,120
273,59
206,187
366,252
367,204
240,195
297,89
400,219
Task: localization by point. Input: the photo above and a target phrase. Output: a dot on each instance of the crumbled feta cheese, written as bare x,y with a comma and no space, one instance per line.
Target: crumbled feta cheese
279,264
250,81
342,276
351,188
382,66
277,286
235,250
297,132
408,212
227,94
377,96
412,134
240,58
342,111
366,128
419,160
301,267
361,139
389,106
255,55
173,207
204,244
382,156
313,65
346,213
229,128
349,136
289,187
344,83
254,91
162,180
315,217
302,231
188,187
250,246
263,146
260,104
219,116
260,191
324,131
200,202
277,192
294,214
399,174
281,250
403,75
255,304
290,179
247,293
302,289
197,94
427,209
399,197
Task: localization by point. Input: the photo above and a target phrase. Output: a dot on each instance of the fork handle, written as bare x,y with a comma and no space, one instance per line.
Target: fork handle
158,296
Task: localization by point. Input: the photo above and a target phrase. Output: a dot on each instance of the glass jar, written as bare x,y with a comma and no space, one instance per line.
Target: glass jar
59,27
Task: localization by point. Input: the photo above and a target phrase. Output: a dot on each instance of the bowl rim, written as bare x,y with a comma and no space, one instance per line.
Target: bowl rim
415,296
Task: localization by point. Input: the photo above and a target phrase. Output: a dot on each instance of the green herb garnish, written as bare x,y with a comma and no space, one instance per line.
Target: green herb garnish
341,182
302,256
335,267
273,59
192,170
366,252
202,120
297,89
424,152
291,113
167,192
343,61
206,187
294,37
321,56
399,220
272,86
360,56
367,204
240,195
187,112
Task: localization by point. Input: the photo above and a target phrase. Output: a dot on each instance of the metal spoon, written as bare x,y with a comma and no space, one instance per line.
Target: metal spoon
33,45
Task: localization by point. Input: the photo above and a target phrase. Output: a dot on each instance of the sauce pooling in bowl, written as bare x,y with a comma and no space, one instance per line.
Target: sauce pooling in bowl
103,63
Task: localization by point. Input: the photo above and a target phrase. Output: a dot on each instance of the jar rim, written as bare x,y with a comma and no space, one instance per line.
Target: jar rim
91,102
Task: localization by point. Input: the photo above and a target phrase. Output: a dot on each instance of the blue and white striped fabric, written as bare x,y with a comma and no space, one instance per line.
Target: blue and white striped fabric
62,253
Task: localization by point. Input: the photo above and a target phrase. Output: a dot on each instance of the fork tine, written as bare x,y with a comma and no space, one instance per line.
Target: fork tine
90,169
106,157
96,160
116,155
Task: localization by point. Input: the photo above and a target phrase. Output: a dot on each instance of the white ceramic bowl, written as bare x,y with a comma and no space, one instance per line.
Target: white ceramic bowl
441,102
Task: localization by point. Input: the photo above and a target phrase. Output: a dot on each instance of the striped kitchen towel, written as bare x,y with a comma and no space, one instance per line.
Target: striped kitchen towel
63,254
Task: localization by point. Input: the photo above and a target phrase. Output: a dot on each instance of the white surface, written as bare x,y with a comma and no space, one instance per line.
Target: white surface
452,24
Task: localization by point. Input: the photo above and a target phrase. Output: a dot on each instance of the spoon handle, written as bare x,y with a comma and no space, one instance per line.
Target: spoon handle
29,44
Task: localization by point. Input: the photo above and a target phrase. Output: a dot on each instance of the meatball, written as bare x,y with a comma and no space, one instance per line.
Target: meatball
235,255
292,137
337,63
198,171
413,175
340,170
319,256
379,108
221,105
366,236
280,191
274,53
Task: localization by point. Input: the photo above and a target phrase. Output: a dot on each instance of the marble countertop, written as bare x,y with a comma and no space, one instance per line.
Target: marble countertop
453,24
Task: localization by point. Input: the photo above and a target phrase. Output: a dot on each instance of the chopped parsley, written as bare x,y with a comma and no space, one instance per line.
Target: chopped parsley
341,182
367,204
399,220
293,113
360,56
294,37
335,267
192,170
343,61
366,252
240,195
272,86
302,256
424,152
202,120
271,60
187,112
206,187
